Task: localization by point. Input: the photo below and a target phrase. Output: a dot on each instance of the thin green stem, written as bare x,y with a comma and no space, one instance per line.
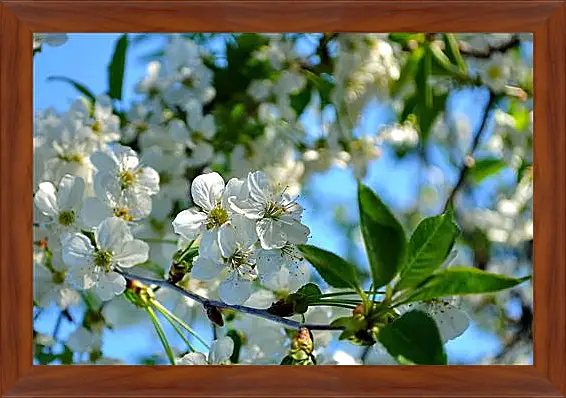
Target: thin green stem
164,241
161,334
181,323
349,293
166,315
331,304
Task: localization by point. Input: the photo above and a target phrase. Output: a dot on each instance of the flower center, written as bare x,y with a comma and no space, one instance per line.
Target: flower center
188,82
103,259
273,210
58,277
494,72
127,179
216,218
123,213
239,258
71,157
96,127
67,218
141,127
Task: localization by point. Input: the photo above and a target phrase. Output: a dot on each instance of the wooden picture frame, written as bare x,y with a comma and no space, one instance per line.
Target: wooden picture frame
545,18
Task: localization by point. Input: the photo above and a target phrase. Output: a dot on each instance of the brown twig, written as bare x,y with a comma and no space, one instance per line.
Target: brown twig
262,313
475,143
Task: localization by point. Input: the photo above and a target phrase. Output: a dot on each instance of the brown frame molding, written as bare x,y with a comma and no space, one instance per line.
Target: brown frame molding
546,18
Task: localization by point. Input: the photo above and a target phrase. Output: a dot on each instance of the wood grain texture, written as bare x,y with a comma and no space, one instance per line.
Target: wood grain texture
549,199
275,381
545,18
15,198
283,15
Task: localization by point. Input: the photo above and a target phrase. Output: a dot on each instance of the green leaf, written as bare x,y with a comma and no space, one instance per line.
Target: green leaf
424,89
310,292
384,238
78,86
336,271
238,341
429,246
485,168
300,100
413,337
461,281
403,38
288,360
424,104
442,64
408,72
116,68
452,50
301,299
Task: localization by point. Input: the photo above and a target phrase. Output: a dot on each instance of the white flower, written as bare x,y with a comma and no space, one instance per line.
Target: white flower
62,205
51,39
451,321
278,217
83,340
211,195
195,134
338,358
93,266
50,286
233,253
497,71
105,126
220,353
121,171
282,268
400,135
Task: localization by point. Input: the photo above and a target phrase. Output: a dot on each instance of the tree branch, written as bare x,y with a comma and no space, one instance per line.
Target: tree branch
219,304
466,167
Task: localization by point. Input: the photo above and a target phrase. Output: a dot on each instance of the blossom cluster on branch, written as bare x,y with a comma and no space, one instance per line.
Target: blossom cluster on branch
186,205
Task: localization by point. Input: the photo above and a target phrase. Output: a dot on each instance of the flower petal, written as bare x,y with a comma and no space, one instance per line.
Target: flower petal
109,285
296,232
147,181
192,358
271,234
258,185
104,162
112,233
189,223
77,251
205,269
234,290
206,190
94,211
46,199
131,253
221,350
269,262
70,193
234,188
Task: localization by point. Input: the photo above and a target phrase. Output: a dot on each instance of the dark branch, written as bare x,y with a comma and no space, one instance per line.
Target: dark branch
465,167
219,304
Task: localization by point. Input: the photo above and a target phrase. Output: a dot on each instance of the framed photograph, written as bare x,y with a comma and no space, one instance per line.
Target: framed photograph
293,198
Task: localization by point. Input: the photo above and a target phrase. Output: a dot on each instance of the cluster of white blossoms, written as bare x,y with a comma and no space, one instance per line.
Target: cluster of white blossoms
246,228
93,233
111,180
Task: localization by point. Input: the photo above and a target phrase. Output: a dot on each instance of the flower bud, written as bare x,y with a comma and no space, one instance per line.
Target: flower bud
214,314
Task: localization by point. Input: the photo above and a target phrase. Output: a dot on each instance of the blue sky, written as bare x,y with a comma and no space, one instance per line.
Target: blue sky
84,58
